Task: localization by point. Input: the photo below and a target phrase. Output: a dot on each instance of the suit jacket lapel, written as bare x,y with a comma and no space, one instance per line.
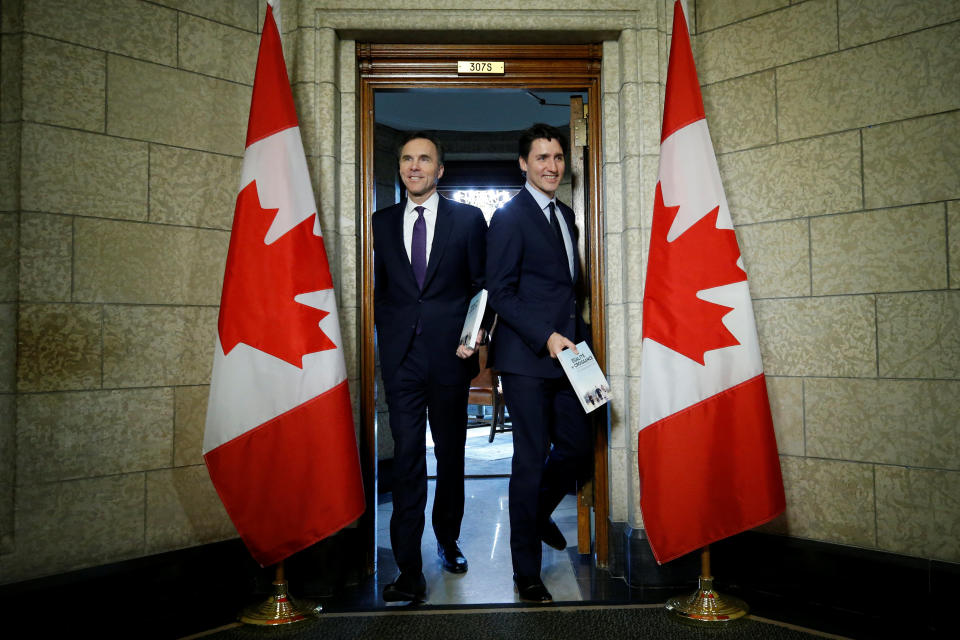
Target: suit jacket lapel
441,231
549,235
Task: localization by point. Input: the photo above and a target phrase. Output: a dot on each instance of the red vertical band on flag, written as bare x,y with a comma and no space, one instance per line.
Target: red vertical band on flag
715,469
271,107
682,102
291,481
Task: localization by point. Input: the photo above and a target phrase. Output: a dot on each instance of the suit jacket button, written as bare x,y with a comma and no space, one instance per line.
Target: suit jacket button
572,316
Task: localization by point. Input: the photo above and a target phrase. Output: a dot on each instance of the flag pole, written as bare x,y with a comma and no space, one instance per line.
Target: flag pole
279,608
706,605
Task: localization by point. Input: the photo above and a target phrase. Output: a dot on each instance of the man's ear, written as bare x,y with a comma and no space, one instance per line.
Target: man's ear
440,172
523,164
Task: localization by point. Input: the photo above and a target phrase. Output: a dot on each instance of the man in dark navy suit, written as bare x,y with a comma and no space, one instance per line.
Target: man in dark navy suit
428,262
533,275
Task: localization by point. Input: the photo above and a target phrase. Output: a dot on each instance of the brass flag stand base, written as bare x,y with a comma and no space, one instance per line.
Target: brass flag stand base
279,608
706,606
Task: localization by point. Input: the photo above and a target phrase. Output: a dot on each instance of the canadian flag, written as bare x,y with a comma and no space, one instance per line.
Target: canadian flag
279,442
707,454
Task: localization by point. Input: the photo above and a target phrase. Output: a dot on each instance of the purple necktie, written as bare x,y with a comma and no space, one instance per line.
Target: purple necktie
418,247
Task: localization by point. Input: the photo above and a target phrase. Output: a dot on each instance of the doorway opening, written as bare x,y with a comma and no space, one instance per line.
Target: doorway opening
477,160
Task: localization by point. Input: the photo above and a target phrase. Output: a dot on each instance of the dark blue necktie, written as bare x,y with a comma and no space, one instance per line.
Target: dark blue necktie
418,247
556,224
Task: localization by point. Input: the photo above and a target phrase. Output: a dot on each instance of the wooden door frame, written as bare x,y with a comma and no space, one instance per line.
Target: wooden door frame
398,66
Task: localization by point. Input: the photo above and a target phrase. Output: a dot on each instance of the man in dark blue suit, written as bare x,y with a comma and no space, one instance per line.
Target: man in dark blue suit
533,275
428,262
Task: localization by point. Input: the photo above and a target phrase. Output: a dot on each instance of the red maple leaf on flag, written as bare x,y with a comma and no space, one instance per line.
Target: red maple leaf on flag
258,307
702,257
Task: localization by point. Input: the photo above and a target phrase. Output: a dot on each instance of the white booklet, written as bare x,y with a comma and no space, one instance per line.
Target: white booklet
585,377
471,324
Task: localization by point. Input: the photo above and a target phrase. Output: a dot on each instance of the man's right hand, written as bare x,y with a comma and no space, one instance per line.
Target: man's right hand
557,343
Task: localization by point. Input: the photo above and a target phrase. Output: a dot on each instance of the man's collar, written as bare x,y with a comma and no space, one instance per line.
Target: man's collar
430,204
542,199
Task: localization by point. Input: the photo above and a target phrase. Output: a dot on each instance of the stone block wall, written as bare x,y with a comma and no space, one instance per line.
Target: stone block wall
836,124
122,140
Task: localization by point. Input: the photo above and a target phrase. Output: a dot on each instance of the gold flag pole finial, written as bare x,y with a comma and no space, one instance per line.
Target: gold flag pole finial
706,605
279,608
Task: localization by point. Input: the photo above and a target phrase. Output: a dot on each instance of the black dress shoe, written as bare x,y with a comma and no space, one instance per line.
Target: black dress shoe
451,557
531,589
550,534
406,588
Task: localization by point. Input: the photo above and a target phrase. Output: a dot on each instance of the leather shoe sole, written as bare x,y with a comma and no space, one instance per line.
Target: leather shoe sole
531,590
405,590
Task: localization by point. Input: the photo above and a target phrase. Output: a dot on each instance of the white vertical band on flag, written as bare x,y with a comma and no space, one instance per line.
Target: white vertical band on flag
279,166
690,179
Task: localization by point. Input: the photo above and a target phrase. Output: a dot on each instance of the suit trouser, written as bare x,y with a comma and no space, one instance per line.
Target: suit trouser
543,411
412,395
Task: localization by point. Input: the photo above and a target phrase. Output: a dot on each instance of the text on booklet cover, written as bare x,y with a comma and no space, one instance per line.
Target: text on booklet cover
585,377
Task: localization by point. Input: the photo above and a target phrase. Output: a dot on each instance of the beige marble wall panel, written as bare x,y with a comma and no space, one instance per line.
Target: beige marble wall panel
349,280
650,117
832,336
144,263
345,66
150,102
636,515
66,171
619,425
616,344
649,41
894,79
152,346
611,127
64,436
918,512
8,347
59,347
11,77
76,524
190,415
237,13
649,176
802,31
863,21
786,406
886,250
717,13
216,49
193,188
742,112
633,185
11,18
135,29
46,251
63,84
908,422
485,23
610,67
802,178
617,469
828,500
953,234
892,173
319,106
777,258
613,278
635,265
10,166
7,470
349,125
919,334
613,197
634,342
9,244
184,510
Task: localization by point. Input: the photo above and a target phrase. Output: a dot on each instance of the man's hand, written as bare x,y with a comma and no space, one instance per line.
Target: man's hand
557,343
463,351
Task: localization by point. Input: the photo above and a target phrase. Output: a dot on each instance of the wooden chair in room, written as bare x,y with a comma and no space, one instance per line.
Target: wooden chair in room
485,391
